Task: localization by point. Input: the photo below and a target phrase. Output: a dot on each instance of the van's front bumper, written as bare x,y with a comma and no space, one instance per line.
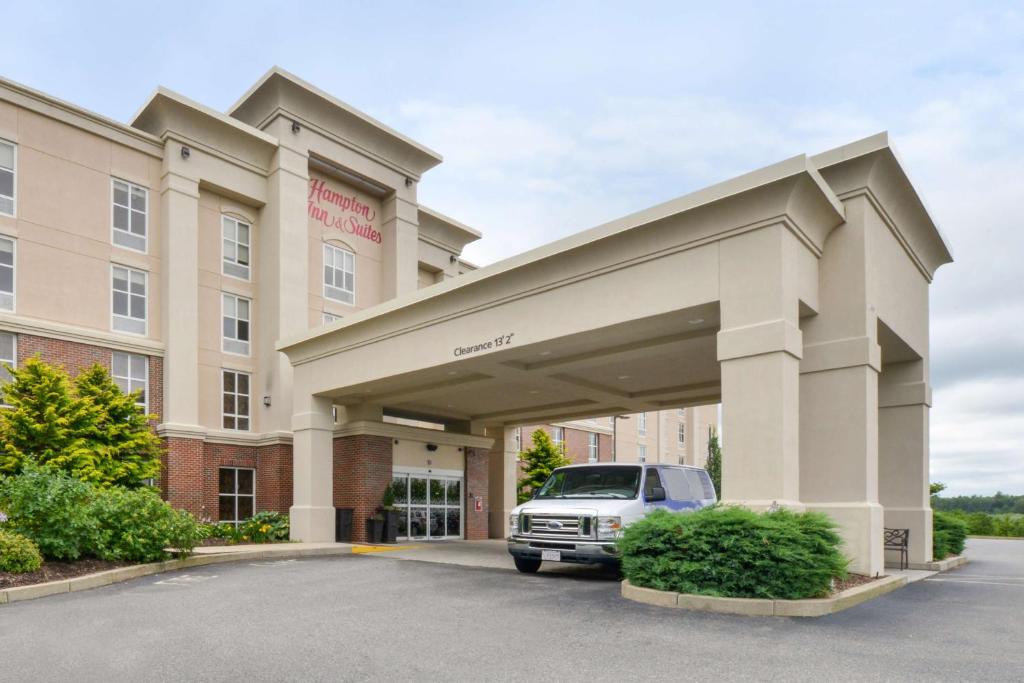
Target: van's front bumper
590,552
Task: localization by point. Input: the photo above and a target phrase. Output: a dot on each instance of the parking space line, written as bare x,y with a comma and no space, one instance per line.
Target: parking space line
987,583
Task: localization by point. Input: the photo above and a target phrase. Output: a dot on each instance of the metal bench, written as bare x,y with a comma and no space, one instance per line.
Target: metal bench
899,540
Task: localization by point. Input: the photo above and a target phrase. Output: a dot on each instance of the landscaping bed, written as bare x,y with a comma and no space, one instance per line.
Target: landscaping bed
57,571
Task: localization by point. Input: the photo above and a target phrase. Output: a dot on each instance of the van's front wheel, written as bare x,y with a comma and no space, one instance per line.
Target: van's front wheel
527,565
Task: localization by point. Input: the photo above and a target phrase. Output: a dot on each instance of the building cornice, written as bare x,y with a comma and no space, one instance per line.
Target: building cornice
108,340
399,431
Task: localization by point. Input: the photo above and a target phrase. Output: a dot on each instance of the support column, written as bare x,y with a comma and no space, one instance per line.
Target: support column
501,482
400,231
312,511
759,348
904,399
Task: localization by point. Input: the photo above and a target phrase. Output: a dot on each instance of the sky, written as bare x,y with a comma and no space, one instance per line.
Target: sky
554,117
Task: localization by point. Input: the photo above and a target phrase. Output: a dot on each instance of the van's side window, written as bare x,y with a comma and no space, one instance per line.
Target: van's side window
701,484
651,482
678,485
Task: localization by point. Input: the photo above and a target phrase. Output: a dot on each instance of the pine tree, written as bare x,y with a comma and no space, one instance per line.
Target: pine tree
538,462
714,463
45,422
123,450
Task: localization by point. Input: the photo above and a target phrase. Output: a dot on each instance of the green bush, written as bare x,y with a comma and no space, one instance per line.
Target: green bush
263,527
949,533
51,509
135,525
18,554
733,552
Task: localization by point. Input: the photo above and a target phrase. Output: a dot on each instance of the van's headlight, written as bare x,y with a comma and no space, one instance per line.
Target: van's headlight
609,528
513,525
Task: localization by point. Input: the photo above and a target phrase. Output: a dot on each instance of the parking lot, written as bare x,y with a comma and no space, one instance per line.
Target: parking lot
384,618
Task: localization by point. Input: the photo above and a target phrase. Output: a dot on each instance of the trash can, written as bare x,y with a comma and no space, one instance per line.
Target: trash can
343,525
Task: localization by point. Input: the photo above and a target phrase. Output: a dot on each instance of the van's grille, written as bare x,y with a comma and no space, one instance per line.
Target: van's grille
558,526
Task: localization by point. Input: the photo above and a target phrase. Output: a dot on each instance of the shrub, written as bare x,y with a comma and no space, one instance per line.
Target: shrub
263,527
734,552
135,525
18,554
949,533
538,463
51,509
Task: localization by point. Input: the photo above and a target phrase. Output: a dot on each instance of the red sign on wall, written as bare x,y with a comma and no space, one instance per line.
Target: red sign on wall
341,211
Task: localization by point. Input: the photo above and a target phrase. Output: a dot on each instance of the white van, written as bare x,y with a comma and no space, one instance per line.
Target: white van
580,511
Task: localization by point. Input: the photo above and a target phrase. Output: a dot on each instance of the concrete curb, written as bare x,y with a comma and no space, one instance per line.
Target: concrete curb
753,607
81,583
998,538
941,565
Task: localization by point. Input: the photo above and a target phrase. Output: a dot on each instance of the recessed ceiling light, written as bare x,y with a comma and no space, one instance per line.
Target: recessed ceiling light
623,376
453,372
534,391
545,353
696,321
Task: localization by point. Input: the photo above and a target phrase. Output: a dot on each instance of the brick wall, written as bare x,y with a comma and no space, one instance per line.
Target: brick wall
476,484
362,471
181,481
75,357
577,445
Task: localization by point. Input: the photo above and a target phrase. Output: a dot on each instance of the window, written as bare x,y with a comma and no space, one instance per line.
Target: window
641,453
517,435
558,437
677,481
8,356
8,154
682,434
651,481
236,247
237,494
235,310
129,215
641,423
339,274
131,372
682,412
330,318
6,274
592,447
236,400
129,300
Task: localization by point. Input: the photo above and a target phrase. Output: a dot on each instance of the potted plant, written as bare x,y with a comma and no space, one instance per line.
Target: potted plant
389,517
375,527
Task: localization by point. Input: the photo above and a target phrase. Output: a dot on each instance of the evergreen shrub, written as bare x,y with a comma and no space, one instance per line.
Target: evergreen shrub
18,554
949,534
734,552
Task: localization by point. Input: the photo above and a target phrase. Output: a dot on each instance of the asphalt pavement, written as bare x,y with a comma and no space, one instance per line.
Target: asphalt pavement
374,617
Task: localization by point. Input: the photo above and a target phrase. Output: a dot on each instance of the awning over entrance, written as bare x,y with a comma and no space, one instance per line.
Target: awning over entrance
764,292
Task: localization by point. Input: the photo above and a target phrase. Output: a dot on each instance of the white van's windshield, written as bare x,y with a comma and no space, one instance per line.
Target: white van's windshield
592,482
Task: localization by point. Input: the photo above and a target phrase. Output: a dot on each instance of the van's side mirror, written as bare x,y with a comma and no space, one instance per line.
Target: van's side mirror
657,493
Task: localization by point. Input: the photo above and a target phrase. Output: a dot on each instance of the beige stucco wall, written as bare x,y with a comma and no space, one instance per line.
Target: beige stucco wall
63,221
409,453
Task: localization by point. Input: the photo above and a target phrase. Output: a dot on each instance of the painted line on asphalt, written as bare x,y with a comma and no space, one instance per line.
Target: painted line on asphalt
985,576
363,549
987,583
185,580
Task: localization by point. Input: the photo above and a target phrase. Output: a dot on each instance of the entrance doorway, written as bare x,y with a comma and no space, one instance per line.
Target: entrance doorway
429,504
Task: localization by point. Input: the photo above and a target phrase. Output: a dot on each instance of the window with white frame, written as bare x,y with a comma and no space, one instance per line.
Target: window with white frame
641,453
8,156
8,356
128,300
339,274
237,494
641,423
130,214
330,318
236,400
682,412
235,314
7,261
592,447
558,437
236,248
682,434
130,372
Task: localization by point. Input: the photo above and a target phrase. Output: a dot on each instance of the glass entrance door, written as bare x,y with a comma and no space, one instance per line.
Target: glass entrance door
429,506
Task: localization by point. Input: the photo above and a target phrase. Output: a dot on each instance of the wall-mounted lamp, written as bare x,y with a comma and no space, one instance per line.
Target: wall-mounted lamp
296,127
431,447
396,442
266,401
408,181
185,152
452,258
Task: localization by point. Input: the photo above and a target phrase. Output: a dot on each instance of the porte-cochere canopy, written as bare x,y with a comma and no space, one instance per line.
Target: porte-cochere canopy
797,295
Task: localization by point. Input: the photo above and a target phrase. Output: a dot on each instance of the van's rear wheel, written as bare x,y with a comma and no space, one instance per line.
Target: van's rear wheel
526,565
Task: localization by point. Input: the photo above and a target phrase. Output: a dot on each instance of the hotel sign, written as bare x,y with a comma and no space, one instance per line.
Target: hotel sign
342,211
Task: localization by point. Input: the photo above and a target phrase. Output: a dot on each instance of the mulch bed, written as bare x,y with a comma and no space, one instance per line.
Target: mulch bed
852,581
210,542
57,571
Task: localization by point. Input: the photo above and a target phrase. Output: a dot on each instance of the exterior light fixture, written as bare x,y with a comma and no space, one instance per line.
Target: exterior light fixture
266,401
408,181
296,127
185,152
431,447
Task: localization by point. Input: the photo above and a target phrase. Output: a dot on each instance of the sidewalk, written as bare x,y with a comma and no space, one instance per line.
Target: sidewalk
278,549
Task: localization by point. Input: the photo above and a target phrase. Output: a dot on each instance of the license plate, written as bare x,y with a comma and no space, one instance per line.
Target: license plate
551,555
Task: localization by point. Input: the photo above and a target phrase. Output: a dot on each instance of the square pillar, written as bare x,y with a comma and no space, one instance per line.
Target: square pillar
312,511
759,349
904,400
501,482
